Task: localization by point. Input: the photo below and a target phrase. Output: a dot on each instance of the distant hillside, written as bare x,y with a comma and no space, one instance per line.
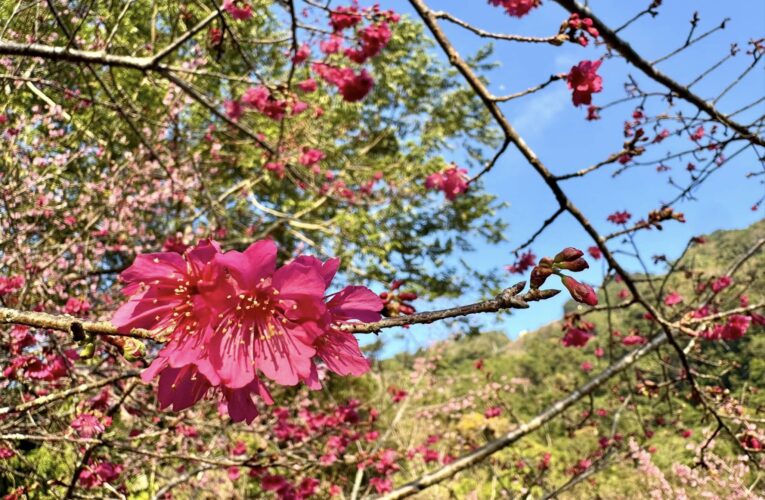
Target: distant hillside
536,370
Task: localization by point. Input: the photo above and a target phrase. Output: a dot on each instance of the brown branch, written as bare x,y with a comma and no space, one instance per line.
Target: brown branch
66,323
558,39
43,400
508,299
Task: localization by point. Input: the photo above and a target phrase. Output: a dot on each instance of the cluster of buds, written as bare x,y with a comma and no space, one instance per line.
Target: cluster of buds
655,217
396,302
576,29
569,259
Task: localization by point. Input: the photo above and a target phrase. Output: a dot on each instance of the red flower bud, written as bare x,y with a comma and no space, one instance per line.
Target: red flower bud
574,265
580,292
539,275
407,296
545,262
568,254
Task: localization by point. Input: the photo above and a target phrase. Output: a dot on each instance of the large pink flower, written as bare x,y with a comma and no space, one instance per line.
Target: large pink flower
269,317
231,315
166,291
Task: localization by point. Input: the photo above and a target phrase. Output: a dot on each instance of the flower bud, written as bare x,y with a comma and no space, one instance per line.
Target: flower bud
574,265
580,292
407,296
568,254
539,275
133,349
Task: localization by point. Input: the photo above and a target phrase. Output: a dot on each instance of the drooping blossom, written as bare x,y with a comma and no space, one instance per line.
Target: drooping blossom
584,81
516,8
453,181
576,337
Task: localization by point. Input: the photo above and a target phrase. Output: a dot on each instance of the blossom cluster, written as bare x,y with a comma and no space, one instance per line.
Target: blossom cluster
231,316
453,181
584,81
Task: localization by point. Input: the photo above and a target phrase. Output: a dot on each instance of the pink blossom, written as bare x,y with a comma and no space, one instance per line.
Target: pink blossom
620,217
721,283
493,412
523,263
88,425
672,299
237,12
344,17
311,157
516,8
452,181
631,340
584,81
576,337
307,86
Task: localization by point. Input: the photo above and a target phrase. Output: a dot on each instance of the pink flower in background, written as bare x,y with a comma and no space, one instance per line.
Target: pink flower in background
88,425
576,337
307,86
584,81
237,12
631,340
619,217
493,412
516,8
452,181
672,299
721,284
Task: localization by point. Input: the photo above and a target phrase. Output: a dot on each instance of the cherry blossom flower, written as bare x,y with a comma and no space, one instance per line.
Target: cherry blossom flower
584,81
452,181
672,299
525,261
721,283
619,217
88,425
237,12
576,337
516,8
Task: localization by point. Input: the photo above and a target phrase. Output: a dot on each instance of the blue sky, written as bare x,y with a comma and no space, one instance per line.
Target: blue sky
565,141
